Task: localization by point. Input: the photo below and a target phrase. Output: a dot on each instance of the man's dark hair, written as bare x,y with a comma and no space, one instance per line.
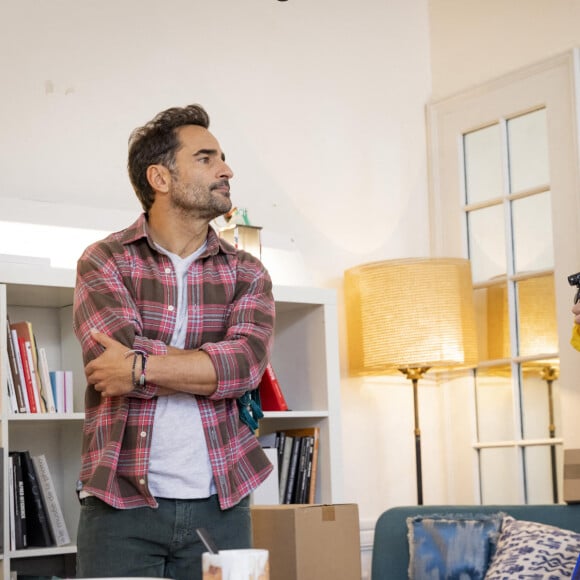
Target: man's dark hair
157,143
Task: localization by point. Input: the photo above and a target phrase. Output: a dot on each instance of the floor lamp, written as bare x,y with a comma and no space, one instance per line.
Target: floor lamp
410,316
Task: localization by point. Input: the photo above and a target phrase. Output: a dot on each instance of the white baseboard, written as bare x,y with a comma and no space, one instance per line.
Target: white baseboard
367,534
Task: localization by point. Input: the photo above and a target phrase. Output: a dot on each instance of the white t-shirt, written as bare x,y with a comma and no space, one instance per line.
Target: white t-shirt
179,466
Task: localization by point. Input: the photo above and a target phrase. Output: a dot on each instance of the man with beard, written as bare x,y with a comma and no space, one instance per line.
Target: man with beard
175,325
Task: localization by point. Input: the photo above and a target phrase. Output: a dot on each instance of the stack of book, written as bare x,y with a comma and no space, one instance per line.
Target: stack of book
297,462
32,387
36,518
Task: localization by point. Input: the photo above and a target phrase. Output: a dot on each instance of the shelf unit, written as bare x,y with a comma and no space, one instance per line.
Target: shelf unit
42,295
305,359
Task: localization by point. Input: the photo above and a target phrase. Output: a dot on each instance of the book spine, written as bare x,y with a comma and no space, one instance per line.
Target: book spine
314,467
301,495
10,386
46,382
292,470
16,377
48,491
11,503
57,385
285,465
19,503
27,376
18,358
280,437
34,378
308,478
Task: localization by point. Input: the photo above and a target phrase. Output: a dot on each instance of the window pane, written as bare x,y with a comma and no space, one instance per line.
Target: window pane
533,241
539,478
528,151
494,399
539,387
491,307
486,251
483,175
537,326
499,476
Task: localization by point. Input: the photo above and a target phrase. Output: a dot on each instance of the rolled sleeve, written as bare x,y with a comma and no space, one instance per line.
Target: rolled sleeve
241,358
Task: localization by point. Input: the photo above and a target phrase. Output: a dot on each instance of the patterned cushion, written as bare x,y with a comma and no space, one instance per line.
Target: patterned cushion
457,546
533,551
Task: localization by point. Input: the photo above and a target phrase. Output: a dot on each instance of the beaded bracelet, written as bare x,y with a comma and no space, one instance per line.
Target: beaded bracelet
141,381
143,363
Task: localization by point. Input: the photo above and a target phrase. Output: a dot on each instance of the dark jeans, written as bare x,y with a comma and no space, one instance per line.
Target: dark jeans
160,543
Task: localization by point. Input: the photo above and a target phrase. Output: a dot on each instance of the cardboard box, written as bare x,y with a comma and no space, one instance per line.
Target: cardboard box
309,542
572,475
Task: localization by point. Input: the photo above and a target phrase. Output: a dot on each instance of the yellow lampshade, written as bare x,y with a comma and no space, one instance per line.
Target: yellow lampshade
408,313
537,326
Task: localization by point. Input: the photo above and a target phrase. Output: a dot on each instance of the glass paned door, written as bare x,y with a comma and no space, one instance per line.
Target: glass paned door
503,193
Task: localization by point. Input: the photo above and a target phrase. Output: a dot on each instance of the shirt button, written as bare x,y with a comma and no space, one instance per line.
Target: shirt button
168,270
170,308
142,481
143,434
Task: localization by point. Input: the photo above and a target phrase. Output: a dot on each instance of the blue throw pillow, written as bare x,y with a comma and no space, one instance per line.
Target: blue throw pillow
452,546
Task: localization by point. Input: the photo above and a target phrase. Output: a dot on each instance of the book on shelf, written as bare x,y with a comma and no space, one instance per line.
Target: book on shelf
25,333
284,465
292,470
279,444
271,395
11,503
35,377
51,502
38,527
23,401
19,505
13,368
47,391
300,489
299,466
13,403
62,390
31,396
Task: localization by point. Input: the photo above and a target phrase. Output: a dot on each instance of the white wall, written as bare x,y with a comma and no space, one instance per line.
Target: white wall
474,41
319,105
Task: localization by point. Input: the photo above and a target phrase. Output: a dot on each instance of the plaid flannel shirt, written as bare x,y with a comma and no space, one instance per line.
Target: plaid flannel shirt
127,289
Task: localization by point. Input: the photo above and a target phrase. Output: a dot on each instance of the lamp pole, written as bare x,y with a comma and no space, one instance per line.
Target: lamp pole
550,374
414,374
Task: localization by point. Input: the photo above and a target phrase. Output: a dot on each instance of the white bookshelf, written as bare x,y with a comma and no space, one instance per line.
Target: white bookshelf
305,360
43,295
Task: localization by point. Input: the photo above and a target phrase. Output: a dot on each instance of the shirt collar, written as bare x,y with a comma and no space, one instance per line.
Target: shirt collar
140,229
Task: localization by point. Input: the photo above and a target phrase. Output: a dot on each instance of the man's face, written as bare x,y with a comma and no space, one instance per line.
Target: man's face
200,180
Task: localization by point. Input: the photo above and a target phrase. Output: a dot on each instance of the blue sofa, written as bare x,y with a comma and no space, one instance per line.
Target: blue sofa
390,559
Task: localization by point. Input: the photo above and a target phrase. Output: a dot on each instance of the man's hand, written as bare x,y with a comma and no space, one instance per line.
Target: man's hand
110,373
